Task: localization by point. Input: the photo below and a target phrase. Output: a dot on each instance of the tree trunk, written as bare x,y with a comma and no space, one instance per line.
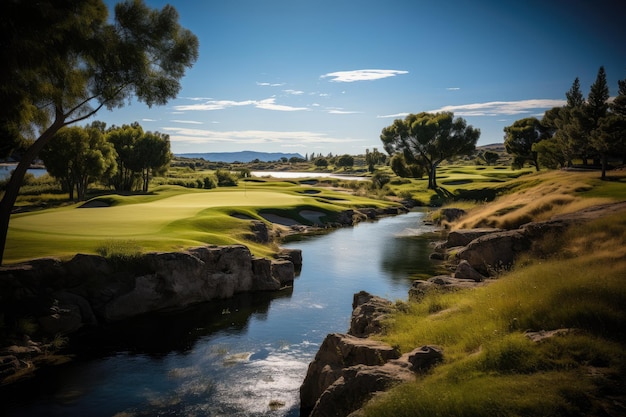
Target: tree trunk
13,187
604,162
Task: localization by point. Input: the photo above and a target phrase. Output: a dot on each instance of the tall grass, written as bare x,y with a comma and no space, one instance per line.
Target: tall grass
491,368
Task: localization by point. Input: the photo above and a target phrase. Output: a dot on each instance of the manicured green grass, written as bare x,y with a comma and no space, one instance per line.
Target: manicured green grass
169,218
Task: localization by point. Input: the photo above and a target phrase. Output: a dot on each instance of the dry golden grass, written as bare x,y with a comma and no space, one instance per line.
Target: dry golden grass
535,199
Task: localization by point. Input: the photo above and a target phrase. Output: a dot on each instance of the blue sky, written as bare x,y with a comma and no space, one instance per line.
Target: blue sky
320,76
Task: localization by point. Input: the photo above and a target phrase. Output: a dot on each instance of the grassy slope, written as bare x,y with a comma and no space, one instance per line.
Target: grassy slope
170,218
577,280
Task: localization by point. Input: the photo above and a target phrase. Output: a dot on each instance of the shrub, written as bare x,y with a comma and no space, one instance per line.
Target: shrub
225,178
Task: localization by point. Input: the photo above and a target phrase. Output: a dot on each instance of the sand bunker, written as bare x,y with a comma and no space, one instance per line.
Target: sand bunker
312,215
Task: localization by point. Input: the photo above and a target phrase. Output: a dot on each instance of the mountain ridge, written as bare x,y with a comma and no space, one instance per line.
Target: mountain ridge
240,156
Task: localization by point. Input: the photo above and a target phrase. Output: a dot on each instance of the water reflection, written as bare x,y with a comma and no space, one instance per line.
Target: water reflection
245,356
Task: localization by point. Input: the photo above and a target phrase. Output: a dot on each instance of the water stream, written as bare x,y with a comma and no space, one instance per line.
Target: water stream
246,356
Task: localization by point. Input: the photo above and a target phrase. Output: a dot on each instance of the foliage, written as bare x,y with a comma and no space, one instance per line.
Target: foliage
401,168
65,61
77,157
346,161
428,139
520,138
225,178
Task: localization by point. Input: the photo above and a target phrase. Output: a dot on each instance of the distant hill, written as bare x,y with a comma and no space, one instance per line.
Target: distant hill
494,147
243,156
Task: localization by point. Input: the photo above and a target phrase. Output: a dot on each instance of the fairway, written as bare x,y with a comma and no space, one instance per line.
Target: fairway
68,230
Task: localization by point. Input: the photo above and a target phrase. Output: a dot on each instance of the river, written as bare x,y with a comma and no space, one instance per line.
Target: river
245,356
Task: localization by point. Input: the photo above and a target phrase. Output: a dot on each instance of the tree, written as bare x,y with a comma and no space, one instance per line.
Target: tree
400,167
609,135
150,154
124,140
321,162
490,157
428,139
75,62
373,158
346,161
519,139
79,156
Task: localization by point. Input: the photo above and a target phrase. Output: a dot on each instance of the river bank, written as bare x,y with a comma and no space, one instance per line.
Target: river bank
235,356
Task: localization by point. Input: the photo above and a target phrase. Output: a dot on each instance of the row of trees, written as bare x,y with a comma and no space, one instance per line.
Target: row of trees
122,157
583,129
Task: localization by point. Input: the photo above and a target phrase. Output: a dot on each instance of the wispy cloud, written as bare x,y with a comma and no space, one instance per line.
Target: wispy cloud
453,88
148,120
294,92
270,84
252,137
498,108
340,111
266,104
494,108
361,75
191,122
392,116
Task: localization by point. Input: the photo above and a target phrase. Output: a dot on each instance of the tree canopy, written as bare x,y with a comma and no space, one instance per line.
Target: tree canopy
427,139
64,61
520,138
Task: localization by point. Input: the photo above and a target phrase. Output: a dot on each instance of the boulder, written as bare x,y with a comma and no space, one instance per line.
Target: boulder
463,237
451,214
357,384
465,271
368,313
263,279
283,271
425,357
337,352
494,251
419,288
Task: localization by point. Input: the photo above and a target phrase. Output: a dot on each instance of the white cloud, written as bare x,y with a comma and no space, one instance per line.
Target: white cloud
267,104
191,122
270,84
148,120
392,116
294,92
493,108
497,108
453,88
251,137
361,75
339,111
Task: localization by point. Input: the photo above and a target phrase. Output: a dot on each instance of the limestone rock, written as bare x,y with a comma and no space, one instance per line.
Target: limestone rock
356,385
368,313
465,271
337,352
419,288
494,251
425,357
463,237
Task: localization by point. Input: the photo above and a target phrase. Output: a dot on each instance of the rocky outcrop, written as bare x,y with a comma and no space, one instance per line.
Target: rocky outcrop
348,370
368,314
63,296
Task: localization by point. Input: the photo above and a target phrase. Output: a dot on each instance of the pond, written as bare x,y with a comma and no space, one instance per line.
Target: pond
245,356
289,174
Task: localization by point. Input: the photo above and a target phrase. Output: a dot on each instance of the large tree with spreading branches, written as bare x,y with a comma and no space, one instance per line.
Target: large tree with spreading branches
427,139
63,61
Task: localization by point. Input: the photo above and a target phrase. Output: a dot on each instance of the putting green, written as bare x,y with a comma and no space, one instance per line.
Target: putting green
72,229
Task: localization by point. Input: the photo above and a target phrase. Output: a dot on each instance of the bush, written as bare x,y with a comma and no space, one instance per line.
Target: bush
225,178
209,183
